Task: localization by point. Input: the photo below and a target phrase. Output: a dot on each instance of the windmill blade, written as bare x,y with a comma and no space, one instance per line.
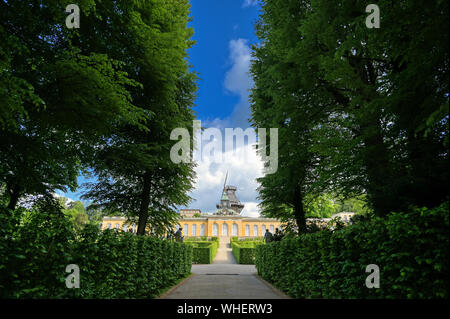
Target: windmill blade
224,184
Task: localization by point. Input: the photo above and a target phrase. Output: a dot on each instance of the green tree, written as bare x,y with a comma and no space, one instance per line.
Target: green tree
358,205
59,102
134,170
282,99
76,213
95,214
360,111
322,206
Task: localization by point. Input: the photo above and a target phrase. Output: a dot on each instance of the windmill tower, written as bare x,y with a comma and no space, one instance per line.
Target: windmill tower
229,203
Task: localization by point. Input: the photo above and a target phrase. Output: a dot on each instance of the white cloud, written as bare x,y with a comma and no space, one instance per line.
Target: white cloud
68,199
242,169
251,209
219,123
239,81
249,3
29,200
242,173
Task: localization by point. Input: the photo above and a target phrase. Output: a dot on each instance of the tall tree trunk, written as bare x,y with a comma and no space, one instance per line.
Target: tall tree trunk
145,201
299,212
383,184
428,171
14,195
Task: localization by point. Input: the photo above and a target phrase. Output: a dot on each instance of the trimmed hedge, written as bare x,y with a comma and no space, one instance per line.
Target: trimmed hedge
36,247
204,252
245,251
246,239
411,250
131,266
202,238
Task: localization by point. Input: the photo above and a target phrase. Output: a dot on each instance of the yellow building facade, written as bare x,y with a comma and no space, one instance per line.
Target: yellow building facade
227,226
211,225
119,223
226,221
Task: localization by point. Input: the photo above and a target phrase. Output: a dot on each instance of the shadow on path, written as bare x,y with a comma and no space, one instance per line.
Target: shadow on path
224,279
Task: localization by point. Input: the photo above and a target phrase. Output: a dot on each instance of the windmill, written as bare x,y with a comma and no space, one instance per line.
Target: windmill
229,204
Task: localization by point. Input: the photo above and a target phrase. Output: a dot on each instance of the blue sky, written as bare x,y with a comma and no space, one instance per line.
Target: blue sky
223,31
215,24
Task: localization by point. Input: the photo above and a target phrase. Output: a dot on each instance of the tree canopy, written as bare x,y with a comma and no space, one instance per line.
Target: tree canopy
359,110
101,99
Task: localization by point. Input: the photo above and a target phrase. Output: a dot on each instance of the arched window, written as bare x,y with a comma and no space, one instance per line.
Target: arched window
194,230
186,230
224,229
202,230
108,226
234,230
247,230
263,229
215,230
133,228
272,229
125,228
255,230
